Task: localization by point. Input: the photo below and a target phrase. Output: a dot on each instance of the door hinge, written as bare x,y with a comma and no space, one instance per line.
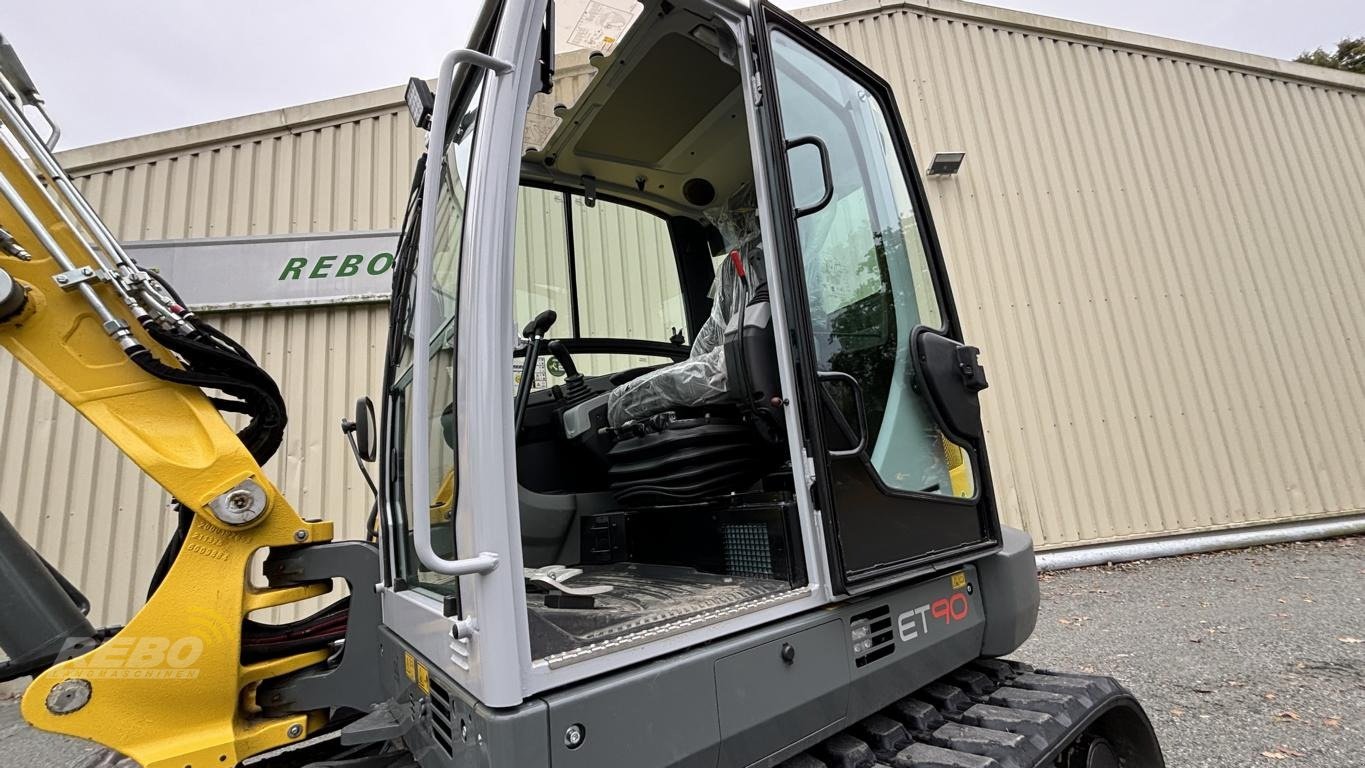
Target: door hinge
810,469
755,80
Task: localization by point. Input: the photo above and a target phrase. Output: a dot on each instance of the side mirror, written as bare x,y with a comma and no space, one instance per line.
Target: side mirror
366,432
950,376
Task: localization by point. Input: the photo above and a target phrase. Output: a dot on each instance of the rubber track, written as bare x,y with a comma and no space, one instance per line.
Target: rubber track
987,714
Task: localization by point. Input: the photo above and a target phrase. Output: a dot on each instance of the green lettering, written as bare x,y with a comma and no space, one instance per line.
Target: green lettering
350,265
380,264
321,267
293,268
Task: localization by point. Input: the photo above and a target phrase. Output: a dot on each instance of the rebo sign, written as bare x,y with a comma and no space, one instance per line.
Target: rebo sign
274,271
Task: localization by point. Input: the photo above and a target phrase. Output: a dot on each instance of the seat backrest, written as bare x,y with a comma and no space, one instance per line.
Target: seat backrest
727,299
696,382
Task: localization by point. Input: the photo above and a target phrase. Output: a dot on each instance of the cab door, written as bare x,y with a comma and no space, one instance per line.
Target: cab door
889,389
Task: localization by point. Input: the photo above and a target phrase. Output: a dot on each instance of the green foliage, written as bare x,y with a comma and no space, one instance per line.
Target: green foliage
1349,56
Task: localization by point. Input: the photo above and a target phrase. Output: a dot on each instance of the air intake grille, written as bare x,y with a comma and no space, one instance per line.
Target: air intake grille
747,550
441,729
871,636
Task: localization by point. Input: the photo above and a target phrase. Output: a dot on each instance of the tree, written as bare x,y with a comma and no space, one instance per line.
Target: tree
1349,56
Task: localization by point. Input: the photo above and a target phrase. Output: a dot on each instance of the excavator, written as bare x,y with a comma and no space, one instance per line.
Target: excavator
752,524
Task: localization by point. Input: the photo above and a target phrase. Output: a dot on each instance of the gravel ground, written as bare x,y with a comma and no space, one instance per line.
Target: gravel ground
1245,658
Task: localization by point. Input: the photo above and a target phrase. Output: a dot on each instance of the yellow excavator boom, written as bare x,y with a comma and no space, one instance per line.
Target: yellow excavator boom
172,688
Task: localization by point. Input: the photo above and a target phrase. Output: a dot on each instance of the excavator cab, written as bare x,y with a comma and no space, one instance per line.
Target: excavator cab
673,350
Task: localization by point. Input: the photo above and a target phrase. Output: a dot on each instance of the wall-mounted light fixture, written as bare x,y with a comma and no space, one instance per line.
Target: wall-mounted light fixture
946,163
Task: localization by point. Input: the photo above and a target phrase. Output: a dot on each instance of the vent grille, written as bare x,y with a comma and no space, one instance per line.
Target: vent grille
441,729
748,552
871,636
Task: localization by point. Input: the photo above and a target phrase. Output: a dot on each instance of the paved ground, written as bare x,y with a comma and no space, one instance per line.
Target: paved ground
24,747
1246,658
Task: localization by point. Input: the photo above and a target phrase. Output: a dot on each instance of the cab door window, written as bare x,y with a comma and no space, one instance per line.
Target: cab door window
867,274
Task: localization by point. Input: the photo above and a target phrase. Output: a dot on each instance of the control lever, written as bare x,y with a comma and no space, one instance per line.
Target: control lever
534,332
573,389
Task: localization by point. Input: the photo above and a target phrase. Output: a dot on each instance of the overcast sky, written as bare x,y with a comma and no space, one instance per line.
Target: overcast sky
116,69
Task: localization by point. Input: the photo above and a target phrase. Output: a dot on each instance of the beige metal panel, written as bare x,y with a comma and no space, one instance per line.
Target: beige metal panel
627,280
350,176
1159,252
541,283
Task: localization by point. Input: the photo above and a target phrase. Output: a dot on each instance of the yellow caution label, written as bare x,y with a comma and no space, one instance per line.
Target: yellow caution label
410,666
959,580
423,679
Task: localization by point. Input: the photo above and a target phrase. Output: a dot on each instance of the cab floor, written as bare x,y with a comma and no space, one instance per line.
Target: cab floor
642,596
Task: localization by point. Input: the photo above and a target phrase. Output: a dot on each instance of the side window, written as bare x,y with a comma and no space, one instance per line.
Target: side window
867,275
627,274
542,258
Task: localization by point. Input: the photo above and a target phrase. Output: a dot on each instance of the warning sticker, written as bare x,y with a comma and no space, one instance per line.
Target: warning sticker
539,382
541,123
959,580
410,666
423,679
600,25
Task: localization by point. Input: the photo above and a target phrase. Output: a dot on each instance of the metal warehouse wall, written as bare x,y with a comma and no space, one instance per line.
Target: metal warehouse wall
1158,246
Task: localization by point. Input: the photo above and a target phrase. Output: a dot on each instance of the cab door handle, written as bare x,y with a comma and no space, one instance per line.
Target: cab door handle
826,175
844,378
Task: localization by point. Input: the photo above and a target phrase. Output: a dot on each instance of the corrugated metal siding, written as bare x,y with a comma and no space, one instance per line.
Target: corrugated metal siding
1160,255
332,178
1162,260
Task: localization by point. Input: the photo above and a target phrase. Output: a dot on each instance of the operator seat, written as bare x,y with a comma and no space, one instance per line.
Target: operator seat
707,425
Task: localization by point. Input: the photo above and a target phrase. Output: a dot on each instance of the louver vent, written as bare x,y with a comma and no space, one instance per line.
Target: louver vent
871,636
